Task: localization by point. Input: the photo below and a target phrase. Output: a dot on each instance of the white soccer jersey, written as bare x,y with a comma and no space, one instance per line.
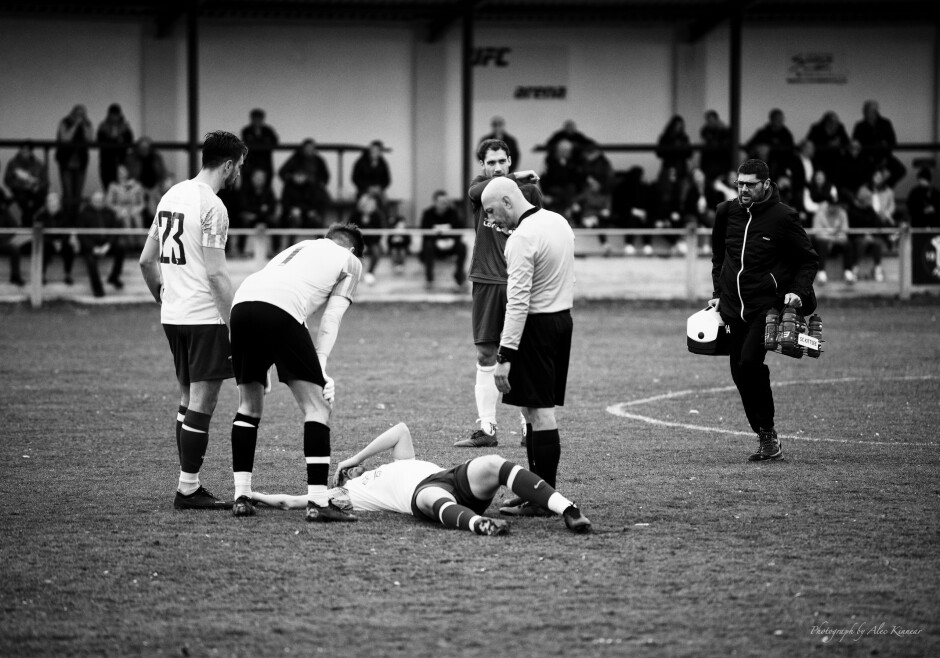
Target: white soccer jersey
389,487
189,217
301,278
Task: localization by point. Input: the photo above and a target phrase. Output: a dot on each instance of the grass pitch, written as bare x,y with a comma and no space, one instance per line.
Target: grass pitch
696,552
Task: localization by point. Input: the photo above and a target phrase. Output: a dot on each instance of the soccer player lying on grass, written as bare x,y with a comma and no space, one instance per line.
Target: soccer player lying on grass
455,497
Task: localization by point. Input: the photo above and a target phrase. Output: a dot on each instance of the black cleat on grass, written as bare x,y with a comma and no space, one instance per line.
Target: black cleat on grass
201,498
329,513
769,447
490,527
576,521
243,507
478,439
526,509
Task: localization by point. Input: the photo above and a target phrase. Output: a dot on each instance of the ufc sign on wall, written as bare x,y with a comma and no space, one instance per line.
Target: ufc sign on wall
503,73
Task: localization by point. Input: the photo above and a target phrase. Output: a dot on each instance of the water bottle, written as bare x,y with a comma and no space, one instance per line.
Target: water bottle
815,331
770,331
787,335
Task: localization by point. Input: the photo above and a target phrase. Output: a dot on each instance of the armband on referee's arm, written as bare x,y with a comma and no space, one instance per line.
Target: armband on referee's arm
505,355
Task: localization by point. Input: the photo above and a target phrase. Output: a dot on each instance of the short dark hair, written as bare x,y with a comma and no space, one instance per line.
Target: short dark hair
438,193
754,166
257,112
219,147
350,234
491,145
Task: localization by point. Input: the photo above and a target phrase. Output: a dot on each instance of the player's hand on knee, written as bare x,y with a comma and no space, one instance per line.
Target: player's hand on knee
329,390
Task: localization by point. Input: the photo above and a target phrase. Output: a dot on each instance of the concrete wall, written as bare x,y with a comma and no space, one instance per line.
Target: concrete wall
354,83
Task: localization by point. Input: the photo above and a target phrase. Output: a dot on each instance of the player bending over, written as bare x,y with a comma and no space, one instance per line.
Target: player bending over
456,497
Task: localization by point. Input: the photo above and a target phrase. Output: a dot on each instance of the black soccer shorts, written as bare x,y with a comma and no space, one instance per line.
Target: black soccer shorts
262,335
454,481
538,376
201,352
488,311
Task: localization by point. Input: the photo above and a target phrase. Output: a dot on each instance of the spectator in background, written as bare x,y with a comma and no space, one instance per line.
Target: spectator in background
698,205
674,148
791,197
883,200
876,135
261,139
368,215
818,192
307,159
778,139
441,217
399,244
96,215
125,198
716,157
667,208
831,141
146,166
726,186
630,206
26,179
73,136
115,137
569,132
923,201
803,169
53,216
592,207
498,131
9,246
856,170
831,223
300,204
370,173
863,215
563,179
257,205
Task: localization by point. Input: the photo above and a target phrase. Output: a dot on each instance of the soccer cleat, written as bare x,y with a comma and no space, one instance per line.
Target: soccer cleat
515,501
769,447
201,498
576,521
526,509
821,277
327,514
479,439
243,507
489,527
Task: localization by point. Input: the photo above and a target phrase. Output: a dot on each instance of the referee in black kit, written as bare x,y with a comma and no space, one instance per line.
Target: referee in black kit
535,343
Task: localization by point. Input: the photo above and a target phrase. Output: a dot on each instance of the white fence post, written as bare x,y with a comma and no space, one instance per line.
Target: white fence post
691,269
35,267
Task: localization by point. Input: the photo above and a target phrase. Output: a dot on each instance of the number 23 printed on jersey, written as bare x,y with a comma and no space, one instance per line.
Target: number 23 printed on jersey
171,233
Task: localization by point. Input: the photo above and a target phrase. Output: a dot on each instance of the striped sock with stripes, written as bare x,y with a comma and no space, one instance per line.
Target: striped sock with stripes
317,456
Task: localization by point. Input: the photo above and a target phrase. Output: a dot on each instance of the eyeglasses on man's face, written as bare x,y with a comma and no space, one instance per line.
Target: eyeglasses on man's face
747,183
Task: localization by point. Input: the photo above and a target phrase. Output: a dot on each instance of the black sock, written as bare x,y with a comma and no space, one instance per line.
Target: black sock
453,515
244,440
526,484
528,446
194,439
180,415
317,452
546,451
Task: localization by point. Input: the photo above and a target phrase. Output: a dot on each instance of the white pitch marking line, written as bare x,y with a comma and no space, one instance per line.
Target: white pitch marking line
619,410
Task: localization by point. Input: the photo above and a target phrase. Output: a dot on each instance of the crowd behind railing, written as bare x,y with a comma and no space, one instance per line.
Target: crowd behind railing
841,184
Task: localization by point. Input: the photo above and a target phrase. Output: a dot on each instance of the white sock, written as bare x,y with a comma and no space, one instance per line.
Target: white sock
317,494
242,483
487,395
558,503
189,482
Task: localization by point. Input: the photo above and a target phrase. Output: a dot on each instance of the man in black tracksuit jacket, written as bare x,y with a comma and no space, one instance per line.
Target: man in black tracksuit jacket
761,258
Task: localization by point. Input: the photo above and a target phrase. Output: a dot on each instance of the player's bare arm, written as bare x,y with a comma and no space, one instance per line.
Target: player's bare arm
397,439
150,268
220,283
